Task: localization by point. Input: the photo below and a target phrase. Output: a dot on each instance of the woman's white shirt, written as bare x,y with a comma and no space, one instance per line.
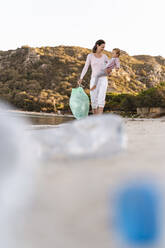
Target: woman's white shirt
97,64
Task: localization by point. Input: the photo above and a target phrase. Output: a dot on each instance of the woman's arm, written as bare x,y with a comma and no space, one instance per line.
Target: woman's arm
86,66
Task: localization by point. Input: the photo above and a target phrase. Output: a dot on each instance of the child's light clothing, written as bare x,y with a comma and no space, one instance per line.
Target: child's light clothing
113,63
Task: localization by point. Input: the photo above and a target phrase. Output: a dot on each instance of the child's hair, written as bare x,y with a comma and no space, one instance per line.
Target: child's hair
117,50
99,43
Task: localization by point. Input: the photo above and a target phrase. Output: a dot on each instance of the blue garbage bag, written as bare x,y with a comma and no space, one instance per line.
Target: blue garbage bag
79,103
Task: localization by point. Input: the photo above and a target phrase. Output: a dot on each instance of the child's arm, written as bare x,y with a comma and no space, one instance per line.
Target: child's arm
117,63
114,63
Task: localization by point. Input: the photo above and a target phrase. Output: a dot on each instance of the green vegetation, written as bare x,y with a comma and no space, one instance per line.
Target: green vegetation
152,97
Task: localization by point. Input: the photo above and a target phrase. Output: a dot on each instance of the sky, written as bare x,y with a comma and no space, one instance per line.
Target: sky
135,26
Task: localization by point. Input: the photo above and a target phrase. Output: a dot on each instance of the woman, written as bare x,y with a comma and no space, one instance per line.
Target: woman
97,60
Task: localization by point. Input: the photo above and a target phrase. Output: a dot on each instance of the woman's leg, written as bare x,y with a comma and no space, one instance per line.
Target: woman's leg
103,83
100,110
94,97
94,111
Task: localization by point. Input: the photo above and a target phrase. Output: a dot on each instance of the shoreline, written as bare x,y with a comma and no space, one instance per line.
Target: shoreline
43,114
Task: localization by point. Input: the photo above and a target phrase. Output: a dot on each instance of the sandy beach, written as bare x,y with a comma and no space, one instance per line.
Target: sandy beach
72,205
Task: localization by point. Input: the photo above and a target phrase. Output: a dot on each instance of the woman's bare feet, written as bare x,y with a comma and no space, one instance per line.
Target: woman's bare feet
100,110
97,111
94,111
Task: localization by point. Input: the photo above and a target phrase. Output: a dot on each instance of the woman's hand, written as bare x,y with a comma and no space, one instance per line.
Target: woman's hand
94,87
79,82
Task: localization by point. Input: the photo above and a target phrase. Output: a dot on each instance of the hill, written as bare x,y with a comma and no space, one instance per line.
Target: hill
41,79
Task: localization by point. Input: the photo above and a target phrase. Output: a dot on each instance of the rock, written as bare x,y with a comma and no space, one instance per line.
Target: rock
31,57
151,112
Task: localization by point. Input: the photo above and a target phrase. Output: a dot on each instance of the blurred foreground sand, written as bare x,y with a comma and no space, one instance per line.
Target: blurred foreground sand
71,207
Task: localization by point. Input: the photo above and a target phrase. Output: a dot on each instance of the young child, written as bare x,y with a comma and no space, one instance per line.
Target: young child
113,63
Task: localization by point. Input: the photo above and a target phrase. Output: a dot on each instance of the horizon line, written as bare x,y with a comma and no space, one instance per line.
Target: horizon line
12,49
